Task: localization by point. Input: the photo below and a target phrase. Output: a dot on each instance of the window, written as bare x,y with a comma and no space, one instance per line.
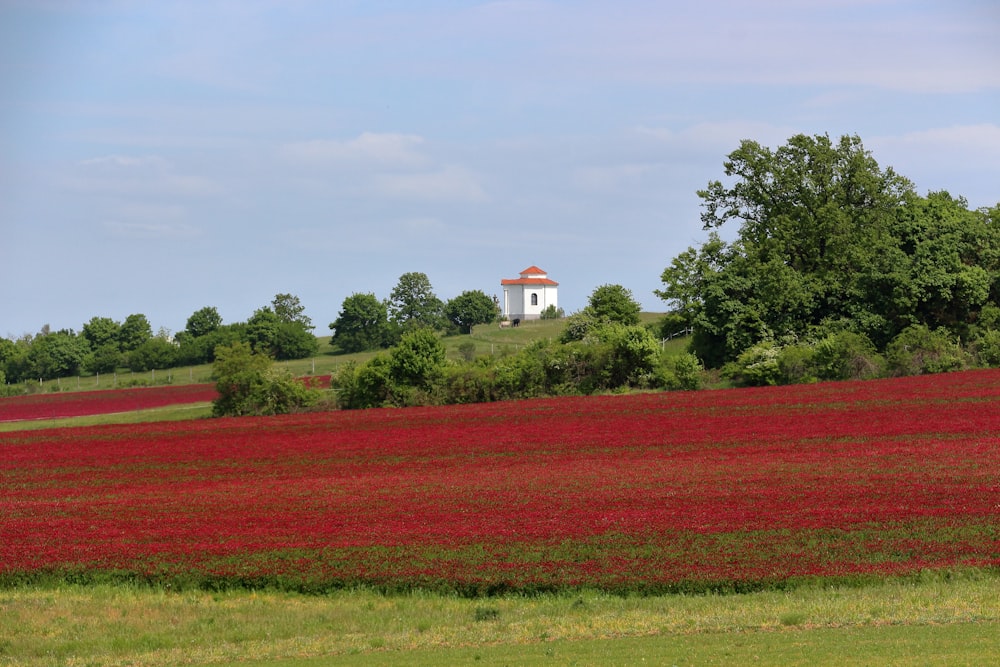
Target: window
534,299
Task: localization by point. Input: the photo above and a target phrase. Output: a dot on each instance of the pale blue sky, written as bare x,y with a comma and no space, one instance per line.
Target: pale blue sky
158,157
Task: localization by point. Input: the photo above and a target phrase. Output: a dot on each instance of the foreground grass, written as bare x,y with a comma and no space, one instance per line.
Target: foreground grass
929,620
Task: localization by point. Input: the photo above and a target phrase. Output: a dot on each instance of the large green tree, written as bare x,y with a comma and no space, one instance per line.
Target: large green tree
203,322
289,309
54,354
413,304
361,325
281,339
135,331
469,309
827,241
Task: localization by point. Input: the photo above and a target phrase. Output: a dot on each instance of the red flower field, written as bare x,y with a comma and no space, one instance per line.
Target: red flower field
729,489
80,403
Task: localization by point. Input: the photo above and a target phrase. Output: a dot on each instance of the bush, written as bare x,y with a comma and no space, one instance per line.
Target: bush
918,350
986,348
847,355
631,356
797,364
248,385
756,366
683,371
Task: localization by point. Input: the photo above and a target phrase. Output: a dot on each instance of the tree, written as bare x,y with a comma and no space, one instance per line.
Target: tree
361,325
56,354
413,304
469,309
201,349
607,304
614,303
155,353
269,334
203,322
418,359
289,309
813,249
248,385
262,331
100,332
102,335
135,331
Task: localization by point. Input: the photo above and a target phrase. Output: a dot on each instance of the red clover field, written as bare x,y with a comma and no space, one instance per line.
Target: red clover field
723,490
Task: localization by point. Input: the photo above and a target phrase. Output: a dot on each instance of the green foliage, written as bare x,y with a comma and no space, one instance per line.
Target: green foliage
607,304
827,241
201,350
155,353
578,326
467,350
269,334
362,324
104,359
552,313
203,322
52,355
847,355
631,354
680,372
413,304
469,309
919,349
417,360
290,310
408,375
367,385
756,366
102,332
249,385
613,303
986,348
135,331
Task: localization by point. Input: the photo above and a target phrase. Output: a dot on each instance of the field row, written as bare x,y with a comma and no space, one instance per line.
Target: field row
675,491
107,401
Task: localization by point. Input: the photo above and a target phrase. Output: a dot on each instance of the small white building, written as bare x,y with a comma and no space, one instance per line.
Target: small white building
526,297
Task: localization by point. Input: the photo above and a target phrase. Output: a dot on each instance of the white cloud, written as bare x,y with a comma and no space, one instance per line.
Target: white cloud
448,183
136,176
383,150
151,231
963,159
981,141
381,165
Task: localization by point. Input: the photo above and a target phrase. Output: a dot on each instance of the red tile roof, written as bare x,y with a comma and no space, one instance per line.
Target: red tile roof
539,279
528,281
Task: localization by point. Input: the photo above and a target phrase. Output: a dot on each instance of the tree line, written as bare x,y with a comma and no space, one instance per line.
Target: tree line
280,330
104,345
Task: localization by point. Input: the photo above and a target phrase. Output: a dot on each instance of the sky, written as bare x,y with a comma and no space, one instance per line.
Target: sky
160,157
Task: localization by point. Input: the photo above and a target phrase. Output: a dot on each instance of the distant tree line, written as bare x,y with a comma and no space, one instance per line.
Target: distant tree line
280,330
